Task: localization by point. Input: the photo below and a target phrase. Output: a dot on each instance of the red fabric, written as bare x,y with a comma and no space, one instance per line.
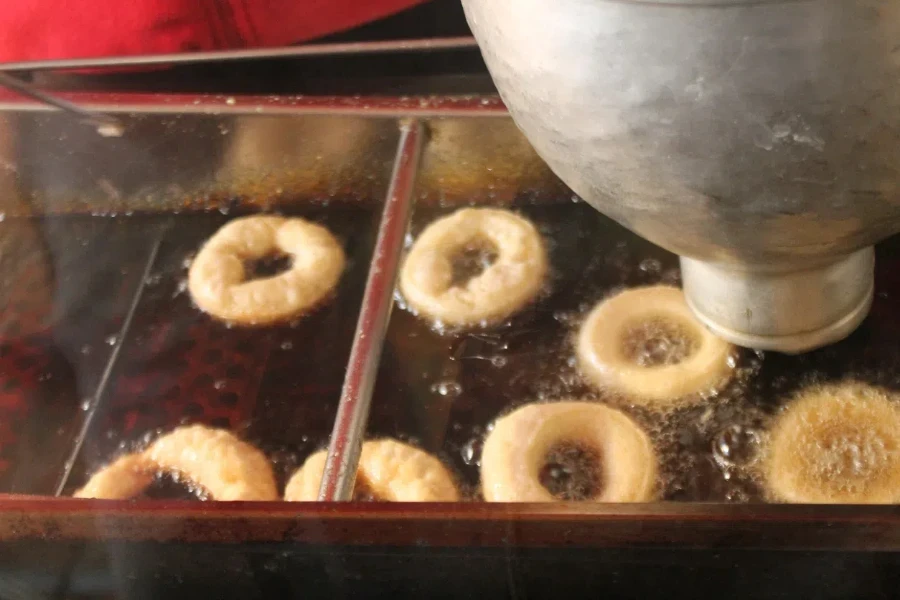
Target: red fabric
51,29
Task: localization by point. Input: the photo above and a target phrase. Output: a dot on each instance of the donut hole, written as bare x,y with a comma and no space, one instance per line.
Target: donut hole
167,485
572,471
270,265
363,492
471,260
658,342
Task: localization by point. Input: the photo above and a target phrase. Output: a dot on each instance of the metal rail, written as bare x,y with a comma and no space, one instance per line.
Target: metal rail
110,126
303,51
378,300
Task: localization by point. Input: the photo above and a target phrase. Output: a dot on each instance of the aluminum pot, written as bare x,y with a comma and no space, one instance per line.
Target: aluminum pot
759,141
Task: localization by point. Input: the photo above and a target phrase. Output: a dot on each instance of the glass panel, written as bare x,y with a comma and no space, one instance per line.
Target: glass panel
101,346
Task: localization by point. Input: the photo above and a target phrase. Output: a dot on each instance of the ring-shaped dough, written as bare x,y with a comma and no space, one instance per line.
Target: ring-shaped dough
218,281
214,459
503,288
835,444
124,478
602,356
389,470
515,452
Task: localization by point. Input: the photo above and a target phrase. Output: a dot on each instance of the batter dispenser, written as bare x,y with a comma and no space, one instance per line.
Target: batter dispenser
760,141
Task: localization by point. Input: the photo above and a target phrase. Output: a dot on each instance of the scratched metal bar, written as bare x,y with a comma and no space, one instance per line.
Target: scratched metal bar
378,300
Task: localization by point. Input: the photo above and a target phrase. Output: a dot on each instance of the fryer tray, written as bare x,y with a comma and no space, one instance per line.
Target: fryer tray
115,351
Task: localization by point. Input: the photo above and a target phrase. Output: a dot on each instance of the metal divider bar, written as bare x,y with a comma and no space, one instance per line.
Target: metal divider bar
378,300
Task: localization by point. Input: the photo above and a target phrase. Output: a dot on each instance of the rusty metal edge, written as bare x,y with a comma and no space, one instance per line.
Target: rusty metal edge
597,525
378,300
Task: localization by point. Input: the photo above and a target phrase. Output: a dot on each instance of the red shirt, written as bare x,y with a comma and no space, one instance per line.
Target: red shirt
51,29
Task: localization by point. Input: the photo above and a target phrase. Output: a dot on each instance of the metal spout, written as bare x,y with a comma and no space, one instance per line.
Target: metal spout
787,311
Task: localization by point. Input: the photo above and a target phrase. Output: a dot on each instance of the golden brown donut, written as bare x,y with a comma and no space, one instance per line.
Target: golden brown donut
218,281
214,459
835,443
389,471
517,451
501,289
645,343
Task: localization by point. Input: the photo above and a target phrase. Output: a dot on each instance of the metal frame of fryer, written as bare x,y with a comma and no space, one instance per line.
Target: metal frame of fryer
659,525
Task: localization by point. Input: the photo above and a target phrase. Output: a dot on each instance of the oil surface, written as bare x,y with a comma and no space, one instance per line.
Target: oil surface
572,471
65,291
275,386
442,390
278,387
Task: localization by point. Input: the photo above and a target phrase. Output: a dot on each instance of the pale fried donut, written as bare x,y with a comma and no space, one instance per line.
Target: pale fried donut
389,471
838,444
214,459
124,478
686,361
516,452
504,287
218,280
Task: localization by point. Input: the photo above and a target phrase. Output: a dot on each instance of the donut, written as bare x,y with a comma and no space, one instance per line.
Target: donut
124,478
434,287
646,343
389,471
535,453
218,278
213,459
835,444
